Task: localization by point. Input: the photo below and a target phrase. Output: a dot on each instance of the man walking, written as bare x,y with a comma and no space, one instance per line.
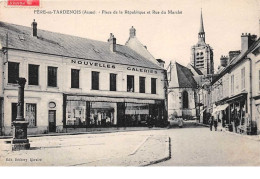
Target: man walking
210,122
215,122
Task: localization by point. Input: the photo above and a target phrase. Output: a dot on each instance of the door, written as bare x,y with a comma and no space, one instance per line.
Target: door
14,111
52,121
120,114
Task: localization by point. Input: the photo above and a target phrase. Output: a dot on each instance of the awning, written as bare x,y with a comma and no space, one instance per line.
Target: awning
220,108
108,99
238,97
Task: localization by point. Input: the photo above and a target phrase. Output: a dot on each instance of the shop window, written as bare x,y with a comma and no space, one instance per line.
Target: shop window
153,85
76,113
136,114
102,114
52,76
95,80
142,84
33,75
185,100
243,82
13,72
74,78
130,83
112,82
30,114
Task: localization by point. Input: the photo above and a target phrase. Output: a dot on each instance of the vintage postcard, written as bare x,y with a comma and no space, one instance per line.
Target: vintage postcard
129,83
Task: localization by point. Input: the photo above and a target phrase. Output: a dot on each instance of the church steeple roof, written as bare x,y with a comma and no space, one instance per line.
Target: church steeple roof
201,24
201,34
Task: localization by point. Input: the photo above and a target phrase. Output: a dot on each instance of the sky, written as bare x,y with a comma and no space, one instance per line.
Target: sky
167,36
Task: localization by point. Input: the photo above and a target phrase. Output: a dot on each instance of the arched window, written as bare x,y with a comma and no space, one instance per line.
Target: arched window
185,100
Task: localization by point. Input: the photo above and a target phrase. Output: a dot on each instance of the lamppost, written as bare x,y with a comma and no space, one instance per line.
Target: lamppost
20,141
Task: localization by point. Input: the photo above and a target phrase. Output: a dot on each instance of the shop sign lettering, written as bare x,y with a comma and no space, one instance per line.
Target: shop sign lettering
142,70
93,64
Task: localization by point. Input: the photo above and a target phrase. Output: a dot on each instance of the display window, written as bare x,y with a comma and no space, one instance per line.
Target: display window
76,113
102,114
137,114
108,114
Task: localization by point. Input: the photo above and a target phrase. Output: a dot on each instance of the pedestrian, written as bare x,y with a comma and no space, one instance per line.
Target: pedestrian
210,122
215,122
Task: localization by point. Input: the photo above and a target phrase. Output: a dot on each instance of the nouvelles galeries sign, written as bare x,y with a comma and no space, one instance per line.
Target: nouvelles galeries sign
112,66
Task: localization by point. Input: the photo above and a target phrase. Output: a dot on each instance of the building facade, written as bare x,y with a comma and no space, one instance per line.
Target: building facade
234,89
181,91
75,83
254,57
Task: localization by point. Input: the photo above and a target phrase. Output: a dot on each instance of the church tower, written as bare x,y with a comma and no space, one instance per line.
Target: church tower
202,53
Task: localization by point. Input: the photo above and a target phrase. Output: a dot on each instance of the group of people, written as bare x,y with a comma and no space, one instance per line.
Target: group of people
213,122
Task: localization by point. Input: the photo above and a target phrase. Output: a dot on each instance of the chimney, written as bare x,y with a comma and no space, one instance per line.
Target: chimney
223,61
132,32
112,42
233,54
246,41
34,27
161,62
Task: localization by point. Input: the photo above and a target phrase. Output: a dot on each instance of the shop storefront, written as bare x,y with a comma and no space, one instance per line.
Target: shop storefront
221,113
90,111
238,113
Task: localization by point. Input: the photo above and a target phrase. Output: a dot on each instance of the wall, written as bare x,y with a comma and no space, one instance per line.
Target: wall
255,88
175,102
42,94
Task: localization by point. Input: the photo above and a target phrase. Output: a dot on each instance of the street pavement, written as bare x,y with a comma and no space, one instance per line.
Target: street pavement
104,149
198,146
192,145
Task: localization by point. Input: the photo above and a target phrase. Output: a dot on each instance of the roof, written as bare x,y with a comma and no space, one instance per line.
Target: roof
236,60
185,77
160,61
195,69
242,55
201,24
20,37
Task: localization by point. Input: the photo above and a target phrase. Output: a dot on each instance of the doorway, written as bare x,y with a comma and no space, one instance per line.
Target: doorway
52,121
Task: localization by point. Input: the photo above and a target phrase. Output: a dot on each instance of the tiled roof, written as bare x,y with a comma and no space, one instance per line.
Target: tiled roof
185,77
20,37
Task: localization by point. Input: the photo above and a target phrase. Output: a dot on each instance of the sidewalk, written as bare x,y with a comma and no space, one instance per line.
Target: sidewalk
251,137
94,131
138,148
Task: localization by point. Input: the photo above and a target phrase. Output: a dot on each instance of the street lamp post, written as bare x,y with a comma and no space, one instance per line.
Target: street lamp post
20,141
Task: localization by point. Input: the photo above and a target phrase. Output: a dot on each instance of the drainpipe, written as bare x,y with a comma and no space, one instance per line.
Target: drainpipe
250,91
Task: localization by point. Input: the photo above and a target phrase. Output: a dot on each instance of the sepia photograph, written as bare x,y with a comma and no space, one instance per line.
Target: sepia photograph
120,83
